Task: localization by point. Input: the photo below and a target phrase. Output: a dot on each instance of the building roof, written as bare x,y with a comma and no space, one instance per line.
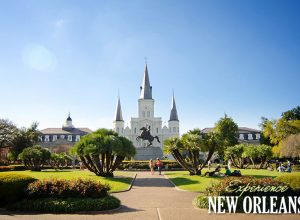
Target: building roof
173,113
240,129
146,89
119,116
62,131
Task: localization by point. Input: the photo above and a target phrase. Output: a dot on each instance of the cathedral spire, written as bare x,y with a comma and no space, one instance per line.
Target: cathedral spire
173,113
119,116
146,89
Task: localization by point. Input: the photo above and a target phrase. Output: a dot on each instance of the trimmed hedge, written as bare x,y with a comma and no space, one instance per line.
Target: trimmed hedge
12,168
60,188
144,165
292,179
67,205
12,187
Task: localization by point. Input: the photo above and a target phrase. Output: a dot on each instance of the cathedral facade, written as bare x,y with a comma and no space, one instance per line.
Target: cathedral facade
147,119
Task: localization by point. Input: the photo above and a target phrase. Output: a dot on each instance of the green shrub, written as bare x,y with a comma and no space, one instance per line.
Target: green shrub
292,179
60,188
12,187
60,161
201,202
66,205
34,158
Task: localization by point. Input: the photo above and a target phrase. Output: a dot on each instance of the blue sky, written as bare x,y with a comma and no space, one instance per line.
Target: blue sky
235,57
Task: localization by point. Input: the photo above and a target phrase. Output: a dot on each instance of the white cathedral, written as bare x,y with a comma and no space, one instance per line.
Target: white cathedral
146,118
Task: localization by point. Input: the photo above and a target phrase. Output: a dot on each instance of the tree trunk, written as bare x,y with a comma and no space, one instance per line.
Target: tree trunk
176,154
117,163
209,155
97,163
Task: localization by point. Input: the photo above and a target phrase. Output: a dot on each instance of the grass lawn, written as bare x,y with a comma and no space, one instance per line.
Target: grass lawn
184,181
121,181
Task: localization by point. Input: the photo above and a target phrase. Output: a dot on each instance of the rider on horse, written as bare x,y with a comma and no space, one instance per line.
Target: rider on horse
146,135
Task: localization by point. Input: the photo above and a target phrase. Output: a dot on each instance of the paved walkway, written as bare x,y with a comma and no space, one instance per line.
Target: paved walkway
151,197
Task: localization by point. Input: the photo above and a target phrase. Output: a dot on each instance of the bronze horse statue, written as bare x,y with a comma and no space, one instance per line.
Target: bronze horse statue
145,135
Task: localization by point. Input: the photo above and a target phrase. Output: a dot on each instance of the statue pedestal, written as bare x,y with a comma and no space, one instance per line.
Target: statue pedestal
147,153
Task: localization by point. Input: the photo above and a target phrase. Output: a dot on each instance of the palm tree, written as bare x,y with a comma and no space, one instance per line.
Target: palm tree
103,151
192,143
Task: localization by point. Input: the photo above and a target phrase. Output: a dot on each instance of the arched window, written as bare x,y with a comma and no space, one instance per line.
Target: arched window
157,130
62,136
250,137
257,136
77,138
241,137
54,138
47,138
69,137
174,129
143,113
40,138
135,130
148,114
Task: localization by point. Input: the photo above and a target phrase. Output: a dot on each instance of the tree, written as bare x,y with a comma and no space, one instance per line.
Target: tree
264,153
291,146
293,114
235,153
34,158
103,151
192,143
24,137
59,161
279,130
257,154
227,131
8,132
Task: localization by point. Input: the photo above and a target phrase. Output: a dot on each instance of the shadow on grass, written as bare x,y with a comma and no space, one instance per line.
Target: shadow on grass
180,181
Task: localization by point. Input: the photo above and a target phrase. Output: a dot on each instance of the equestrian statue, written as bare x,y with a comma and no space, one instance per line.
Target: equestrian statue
145,135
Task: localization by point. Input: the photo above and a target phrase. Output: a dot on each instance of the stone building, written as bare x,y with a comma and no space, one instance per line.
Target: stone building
147,118
62,139
245,135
